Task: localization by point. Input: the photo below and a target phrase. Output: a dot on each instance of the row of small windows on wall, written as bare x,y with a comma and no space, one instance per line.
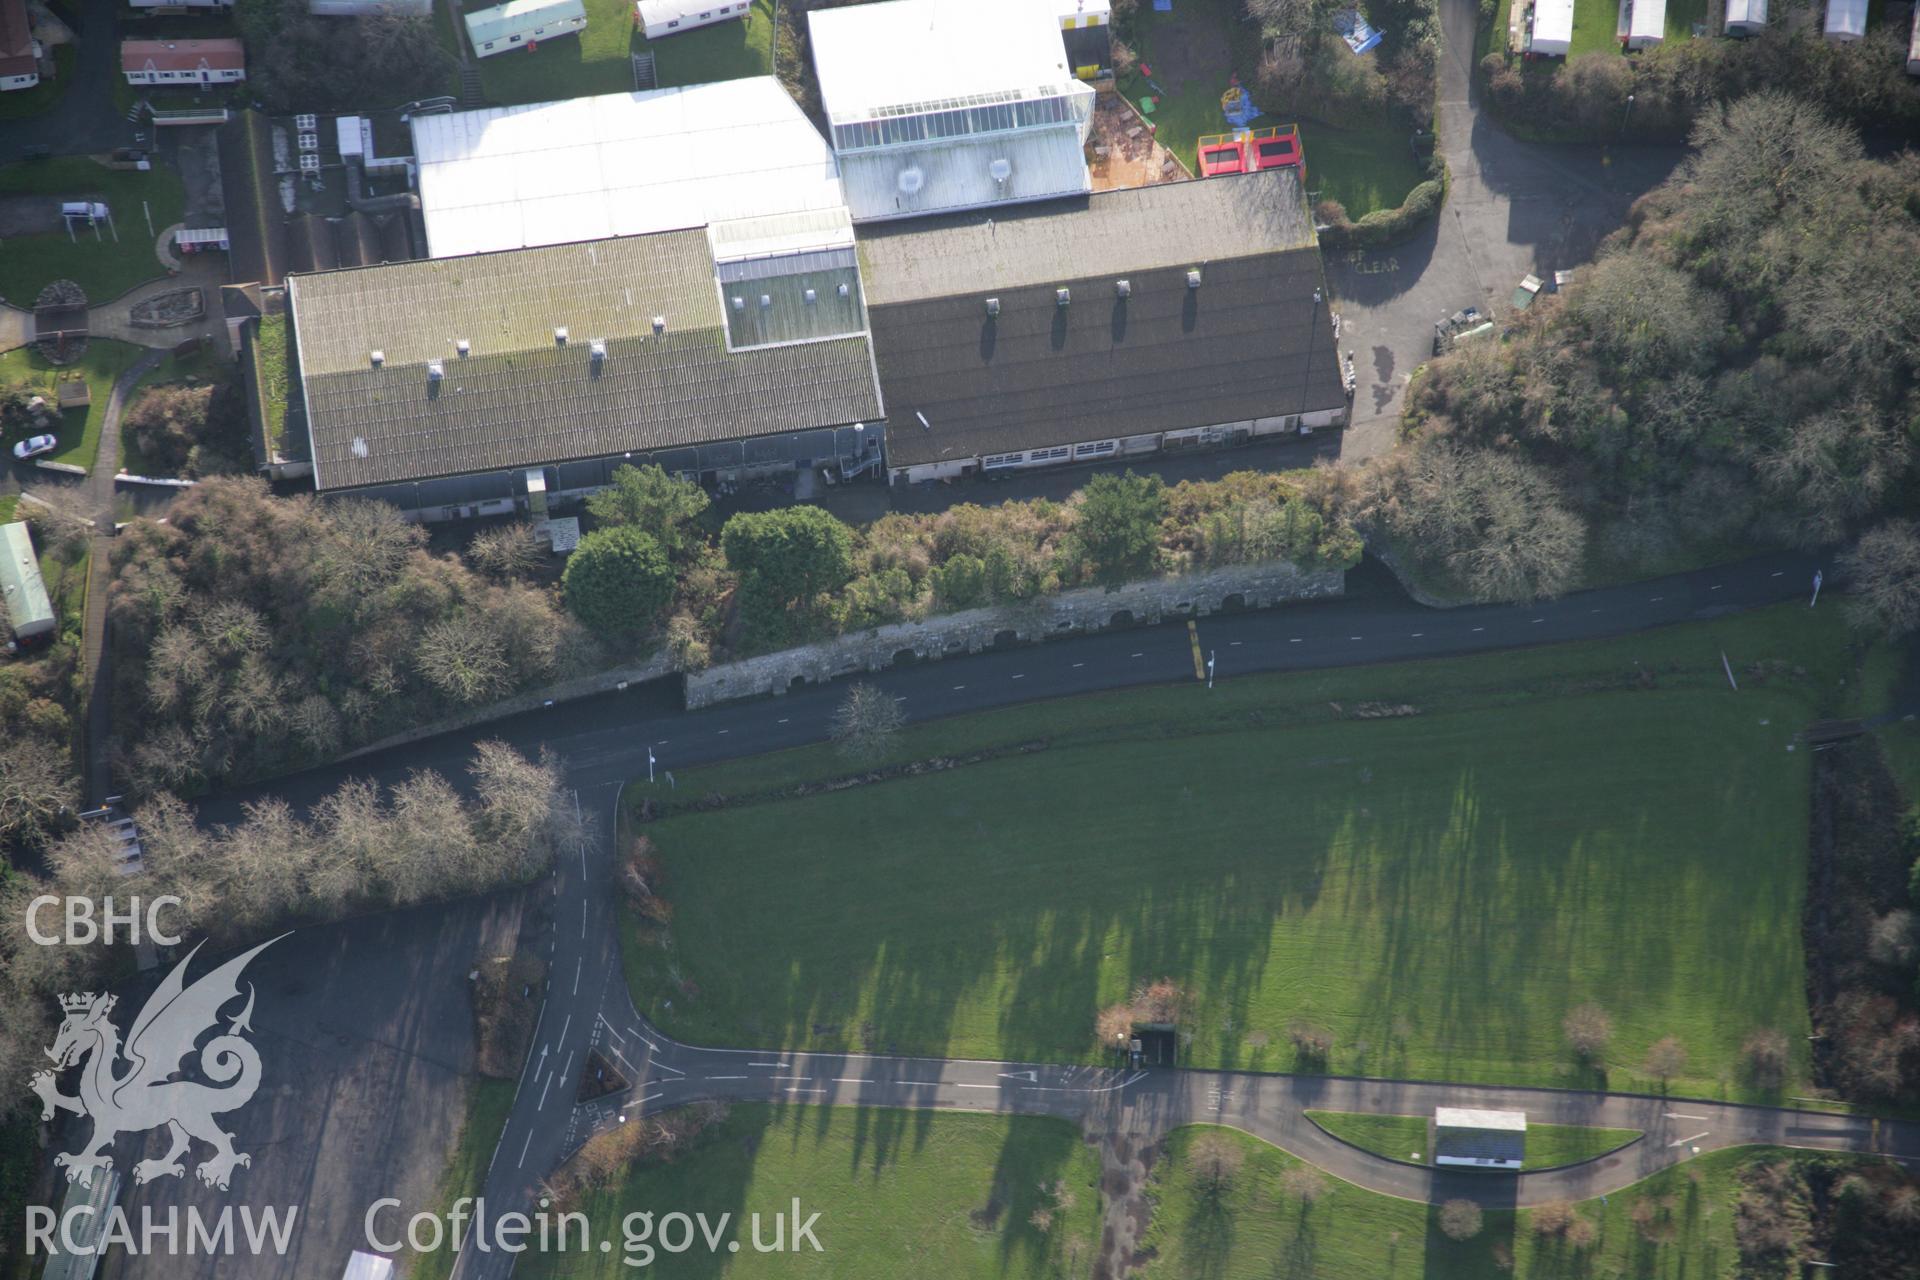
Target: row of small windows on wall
1057,453
934,125
723,10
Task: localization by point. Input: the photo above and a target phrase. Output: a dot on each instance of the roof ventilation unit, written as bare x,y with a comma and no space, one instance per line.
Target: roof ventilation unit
306,122
911,180
597,349
463,348
766,300
379,358
811,297
560,336
844,291
1123,288
1193,278
659,324
1061,297
993,306
1000,170
435,371
739,303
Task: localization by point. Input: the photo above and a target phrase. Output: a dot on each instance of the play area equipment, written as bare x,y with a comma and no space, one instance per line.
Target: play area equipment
1249,150
1237,105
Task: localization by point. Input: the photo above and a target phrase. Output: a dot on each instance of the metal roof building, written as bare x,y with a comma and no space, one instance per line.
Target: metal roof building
619,164
662,18
1746,17
1479,1139
1121,323
1846,20
435,384
936,105
29,610
519,23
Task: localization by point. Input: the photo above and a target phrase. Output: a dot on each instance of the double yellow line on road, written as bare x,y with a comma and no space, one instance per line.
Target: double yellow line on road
1199,663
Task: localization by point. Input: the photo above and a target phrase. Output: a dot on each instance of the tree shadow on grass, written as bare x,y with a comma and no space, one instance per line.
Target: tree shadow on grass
1438,892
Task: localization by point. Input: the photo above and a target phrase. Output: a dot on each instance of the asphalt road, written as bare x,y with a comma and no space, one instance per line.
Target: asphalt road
1149,1103
605,742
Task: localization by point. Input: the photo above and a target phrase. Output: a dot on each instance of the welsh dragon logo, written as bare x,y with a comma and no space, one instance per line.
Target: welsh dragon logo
145,1095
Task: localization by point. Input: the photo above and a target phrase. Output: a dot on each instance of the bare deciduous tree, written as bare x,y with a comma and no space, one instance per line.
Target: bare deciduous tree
463,658
1460,1219
1883,571
1215,1160
36,788
1666,1058
1767,1057
1303,1183
866,722
1552,1218
506,551
1589,1029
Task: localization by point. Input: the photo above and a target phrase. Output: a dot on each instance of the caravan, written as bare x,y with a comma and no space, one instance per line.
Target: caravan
1746,17
1550,32
1646,23
1846,20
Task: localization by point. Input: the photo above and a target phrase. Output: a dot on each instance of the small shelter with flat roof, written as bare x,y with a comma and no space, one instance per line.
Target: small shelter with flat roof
1475,1139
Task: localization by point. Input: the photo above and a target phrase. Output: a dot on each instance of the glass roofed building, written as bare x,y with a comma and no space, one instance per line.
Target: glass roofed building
937,106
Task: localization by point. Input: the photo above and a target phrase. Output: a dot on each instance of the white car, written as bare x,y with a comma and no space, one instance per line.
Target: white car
34,446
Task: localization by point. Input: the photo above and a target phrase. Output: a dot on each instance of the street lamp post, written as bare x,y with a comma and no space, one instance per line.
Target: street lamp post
1627,114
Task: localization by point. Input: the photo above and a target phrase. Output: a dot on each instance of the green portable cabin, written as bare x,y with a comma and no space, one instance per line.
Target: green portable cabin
29,610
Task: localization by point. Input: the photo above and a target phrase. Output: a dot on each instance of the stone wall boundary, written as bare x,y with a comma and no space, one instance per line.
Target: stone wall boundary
1074,612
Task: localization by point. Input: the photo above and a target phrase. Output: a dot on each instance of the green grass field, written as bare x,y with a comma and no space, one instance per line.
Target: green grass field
8,501
1363,166
725,51
1493,35
1436,891
20,104
1681,15
104,268
79,431
1188,107
597,61
488,1103
1595,23
1364,169
1255,1230
1549,1146
898,1193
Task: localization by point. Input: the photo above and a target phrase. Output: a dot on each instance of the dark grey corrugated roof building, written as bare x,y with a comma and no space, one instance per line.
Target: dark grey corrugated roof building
1479,1139
438,384
1116,324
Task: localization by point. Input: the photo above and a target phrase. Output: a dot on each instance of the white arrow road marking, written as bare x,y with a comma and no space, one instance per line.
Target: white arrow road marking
1020,1075
767,1064
726,1077
1695,1138
1680,1115
664,1067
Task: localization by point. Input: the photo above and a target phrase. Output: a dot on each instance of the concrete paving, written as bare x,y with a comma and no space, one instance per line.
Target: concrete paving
84,120
1513,207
